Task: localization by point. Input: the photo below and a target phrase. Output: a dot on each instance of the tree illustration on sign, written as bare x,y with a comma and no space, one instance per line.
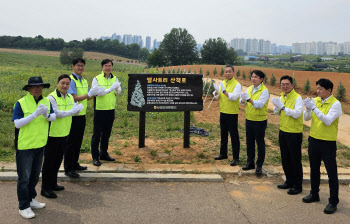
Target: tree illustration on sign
137,98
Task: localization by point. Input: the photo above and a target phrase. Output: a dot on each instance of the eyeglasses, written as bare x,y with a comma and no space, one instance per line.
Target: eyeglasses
285,84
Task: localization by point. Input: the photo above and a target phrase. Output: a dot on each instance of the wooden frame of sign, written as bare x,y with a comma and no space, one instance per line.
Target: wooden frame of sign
165,93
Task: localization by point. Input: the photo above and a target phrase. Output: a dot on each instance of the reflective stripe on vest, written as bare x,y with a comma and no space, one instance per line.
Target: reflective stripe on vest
288,123
108,101
254,114
61,126
229,106
35,133
318,129
82,89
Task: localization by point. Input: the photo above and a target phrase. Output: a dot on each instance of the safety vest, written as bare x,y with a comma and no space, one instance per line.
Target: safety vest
108,101
229,106
318,129
34,134
254,114
82,89
61,126
288,123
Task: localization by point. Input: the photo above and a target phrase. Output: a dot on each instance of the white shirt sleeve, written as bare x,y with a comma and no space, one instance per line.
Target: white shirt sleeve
59,113
94,83
298,109
264,97
334,112
23,121
236,93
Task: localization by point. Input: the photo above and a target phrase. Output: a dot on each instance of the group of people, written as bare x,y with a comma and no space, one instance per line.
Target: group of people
53,127
324,112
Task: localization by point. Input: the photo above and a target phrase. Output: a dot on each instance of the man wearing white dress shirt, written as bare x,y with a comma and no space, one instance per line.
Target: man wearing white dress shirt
324,112
290,108
256,99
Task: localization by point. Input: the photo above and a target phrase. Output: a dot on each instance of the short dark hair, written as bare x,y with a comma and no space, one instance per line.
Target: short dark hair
287,77
258,73
64,76
77,60
325,83
230,66
105,61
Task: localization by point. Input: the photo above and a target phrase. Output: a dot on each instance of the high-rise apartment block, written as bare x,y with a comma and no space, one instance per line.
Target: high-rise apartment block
251,45
320,48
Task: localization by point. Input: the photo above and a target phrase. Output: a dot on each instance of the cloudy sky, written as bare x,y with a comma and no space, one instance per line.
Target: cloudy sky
280,21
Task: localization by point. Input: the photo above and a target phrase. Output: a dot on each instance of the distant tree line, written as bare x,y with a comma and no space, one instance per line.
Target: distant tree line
57,44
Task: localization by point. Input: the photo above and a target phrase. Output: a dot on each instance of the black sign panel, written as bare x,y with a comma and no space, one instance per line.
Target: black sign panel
165,92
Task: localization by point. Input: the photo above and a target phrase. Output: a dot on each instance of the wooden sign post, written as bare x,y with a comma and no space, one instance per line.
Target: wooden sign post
165,93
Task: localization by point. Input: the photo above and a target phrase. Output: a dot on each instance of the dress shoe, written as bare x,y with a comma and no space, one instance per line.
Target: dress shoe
258,171
80,168
48,193
284,186
72,174
96,162
330,209
58,188
220,157
294,191
107,158
248,167
234,162
311,198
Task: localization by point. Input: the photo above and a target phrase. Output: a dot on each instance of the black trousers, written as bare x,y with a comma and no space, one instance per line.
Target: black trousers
75,138
255,132
290,146
53,156
326,151
103,123
229,124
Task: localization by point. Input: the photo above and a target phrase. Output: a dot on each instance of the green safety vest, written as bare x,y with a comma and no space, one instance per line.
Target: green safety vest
318,129
34,134
288,123
108,101
254,114
61,126
229,106
82,89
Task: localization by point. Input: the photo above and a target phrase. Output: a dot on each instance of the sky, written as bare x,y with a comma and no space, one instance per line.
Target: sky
281,21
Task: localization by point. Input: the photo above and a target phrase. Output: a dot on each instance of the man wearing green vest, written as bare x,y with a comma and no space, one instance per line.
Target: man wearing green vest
64,107
256,99
324,112
80,91
31,116
290,108
228,93
104,111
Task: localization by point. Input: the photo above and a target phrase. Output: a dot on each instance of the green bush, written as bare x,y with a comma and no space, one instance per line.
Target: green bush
272,80
307,86
341,92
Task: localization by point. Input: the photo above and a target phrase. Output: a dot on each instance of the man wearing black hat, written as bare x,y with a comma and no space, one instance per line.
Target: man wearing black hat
31,116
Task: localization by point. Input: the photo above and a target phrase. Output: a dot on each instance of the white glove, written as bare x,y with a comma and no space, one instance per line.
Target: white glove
216,87
309,103
80,108
222,87
113,87
93,92
102,91
119,90
245,96
41,110
277,102
75,108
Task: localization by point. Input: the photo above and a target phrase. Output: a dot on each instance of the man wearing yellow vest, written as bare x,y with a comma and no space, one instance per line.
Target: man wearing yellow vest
31,116
104,111
80,91
228,93
290,108
324,111
256,99
64,107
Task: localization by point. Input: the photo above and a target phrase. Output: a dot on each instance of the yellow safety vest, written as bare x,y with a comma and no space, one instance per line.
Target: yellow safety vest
229,106
61,126
318,129
82,89
288,123
254,114
108,101
34,134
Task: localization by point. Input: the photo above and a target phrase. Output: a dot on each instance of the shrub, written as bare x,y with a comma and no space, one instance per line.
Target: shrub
222,72
238,73
244,76
341,92
207,73
215,71
200,70
307,86
272,80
